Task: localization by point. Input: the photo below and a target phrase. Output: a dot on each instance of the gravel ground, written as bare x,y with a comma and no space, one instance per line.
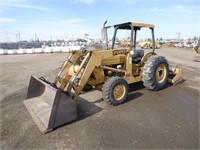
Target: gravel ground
167,119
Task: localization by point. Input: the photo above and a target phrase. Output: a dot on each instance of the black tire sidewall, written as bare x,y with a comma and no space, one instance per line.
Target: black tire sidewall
108,88
157,64
87,88
125,95
149,72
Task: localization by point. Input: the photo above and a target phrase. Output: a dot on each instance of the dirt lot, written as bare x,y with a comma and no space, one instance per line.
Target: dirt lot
167,119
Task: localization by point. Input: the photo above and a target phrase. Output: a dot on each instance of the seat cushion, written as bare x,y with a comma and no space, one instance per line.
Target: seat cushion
137,56
138,53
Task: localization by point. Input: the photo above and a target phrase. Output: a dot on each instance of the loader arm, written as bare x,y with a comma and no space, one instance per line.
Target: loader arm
63,76
81,77
84,72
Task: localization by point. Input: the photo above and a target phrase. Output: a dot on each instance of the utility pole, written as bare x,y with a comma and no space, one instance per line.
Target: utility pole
19,35
16,38
35,36
178,34
6,36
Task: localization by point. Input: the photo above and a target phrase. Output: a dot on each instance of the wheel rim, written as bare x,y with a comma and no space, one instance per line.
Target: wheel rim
119,92
161,73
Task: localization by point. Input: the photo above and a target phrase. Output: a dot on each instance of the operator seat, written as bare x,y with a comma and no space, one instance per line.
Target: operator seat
137,56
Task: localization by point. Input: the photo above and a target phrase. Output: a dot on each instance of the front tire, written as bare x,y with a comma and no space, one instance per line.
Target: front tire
115,90
155,73
87,88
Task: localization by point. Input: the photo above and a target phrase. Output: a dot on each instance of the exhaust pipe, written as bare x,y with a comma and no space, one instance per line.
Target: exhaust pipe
49,107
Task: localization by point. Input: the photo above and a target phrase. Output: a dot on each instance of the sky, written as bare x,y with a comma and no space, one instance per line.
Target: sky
64,19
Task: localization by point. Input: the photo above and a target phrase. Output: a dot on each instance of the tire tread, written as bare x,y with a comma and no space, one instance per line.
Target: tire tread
149,69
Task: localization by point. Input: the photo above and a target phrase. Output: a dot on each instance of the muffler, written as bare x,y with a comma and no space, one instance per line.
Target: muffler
49,106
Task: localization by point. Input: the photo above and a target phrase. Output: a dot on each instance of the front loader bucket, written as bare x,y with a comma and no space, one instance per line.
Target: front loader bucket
49,107
175,76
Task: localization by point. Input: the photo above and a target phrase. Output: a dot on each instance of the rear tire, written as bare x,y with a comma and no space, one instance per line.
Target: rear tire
115,90
155,73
